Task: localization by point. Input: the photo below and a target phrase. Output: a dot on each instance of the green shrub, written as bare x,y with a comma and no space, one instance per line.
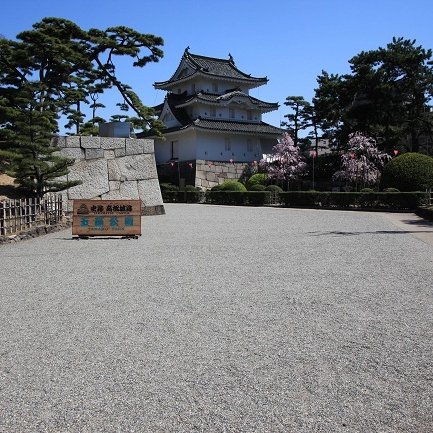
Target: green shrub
216,188
168,187
258,187
274,188
367,190
391,190
232,185
256,179
408,172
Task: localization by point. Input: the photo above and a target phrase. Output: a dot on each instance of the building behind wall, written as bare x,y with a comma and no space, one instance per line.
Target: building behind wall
210,119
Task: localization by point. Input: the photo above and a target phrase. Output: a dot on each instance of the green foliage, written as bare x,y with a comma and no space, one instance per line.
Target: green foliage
232,185
408,172
274,188
367,190
258,187
385,96
256,179
216,188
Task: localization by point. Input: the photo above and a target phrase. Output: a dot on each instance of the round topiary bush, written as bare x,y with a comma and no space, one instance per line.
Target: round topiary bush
274,188
232,185
391,190
256,179
408,172
258,187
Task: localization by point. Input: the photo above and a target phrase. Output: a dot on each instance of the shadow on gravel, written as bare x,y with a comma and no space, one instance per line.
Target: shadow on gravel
418,223
379,232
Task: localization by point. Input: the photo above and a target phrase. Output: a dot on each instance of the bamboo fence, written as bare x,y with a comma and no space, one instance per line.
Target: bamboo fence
23,214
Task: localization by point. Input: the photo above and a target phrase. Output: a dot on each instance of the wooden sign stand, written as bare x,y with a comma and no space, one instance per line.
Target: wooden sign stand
106,218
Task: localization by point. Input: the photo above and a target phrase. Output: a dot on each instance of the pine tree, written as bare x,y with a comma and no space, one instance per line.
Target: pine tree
56,69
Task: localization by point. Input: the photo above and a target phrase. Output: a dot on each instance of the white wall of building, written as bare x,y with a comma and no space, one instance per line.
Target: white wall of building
224,147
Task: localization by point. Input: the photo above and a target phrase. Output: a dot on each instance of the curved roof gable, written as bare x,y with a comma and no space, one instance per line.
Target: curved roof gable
236,96
192,64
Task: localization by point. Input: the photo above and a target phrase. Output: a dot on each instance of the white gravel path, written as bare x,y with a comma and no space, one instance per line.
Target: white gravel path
220,319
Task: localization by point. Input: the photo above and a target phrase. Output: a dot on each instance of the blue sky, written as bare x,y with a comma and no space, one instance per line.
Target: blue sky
290,41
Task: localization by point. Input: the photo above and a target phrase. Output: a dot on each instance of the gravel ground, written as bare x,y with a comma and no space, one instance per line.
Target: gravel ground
220,319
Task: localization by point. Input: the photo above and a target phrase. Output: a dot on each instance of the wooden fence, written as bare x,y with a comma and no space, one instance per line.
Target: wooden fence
21,215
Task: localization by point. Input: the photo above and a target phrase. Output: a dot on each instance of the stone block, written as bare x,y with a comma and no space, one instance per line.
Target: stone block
232,169
137,146
224,169
94,153
150,192
127,190
94,177
114,185
205,183
134,147
218,169
212,184
200,174
119,152
133,167
109,154
112,143
72,141
58,141
76,153
232,176
90,142
210,176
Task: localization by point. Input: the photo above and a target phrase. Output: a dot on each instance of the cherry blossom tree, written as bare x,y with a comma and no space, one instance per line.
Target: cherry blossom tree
362,162
285,163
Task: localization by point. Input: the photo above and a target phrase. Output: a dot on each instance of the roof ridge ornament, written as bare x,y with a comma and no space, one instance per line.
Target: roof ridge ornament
231,59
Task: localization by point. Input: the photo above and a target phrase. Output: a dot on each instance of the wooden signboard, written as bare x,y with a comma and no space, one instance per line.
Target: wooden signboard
106,218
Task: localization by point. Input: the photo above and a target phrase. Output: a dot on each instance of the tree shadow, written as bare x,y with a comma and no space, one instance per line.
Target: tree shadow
380,232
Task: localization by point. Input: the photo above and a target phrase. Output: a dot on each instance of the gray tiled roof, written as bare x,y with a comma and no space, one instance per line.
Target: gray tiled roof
223,126
215,99
220,68
229,126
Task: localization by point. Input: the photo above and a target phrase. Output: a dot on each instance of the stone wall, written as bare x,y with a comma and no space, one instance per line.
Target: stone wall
211,173
112,169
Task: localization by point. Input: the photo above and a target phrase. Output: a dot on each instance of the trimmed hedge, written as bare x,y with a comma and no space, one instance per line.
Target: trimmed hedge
182,196
373,200
313,199
238,198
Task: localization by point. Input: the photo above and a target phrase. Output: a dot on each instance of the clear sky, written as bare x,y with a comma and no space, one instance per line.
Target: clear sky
289,41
